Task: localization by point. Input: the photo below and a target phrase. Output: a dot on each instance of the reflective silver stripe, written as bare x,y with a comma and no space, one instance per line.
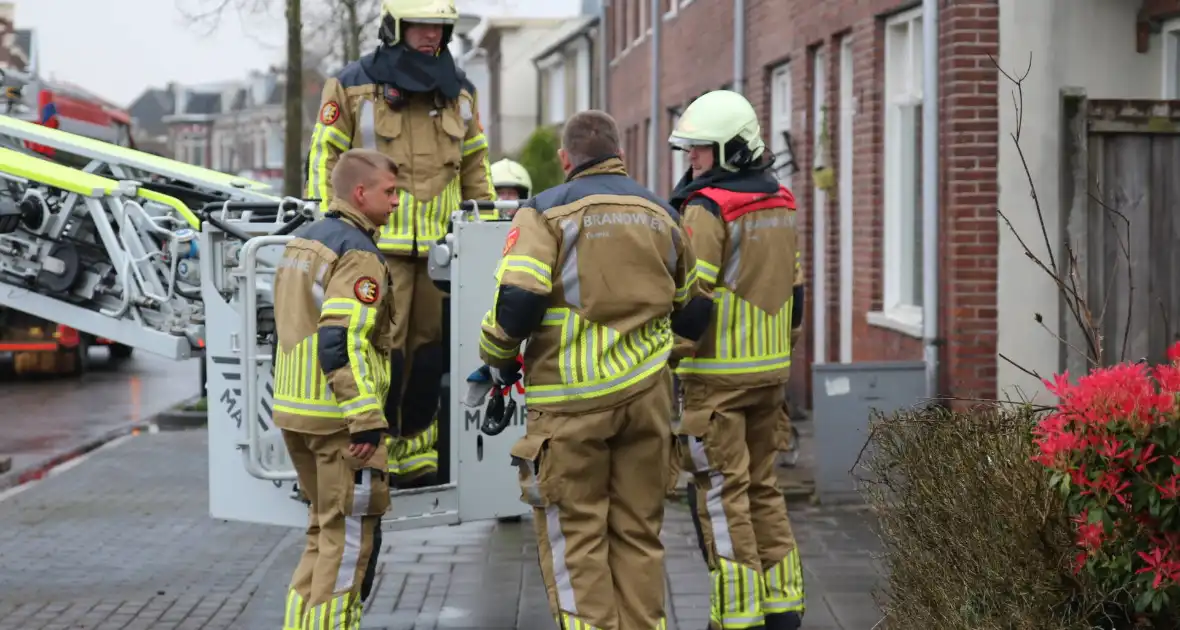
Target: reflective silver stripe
283,403
733,265
367,125
713,507
362,496
570,282
672,258
561,572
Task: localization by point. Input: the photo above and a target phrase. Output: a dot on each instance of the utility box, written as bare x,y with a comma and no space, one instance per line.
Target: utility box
844,397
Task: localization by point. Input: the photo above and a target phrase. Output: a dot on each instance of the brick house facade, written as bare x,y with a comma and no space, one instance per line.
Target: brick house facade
784,38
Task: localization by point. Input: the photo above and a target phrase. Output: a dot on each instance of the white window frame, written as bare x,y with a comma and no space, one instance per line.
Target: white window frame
902,310
1170,64
781,114
554,68
584,79
644,13
672,9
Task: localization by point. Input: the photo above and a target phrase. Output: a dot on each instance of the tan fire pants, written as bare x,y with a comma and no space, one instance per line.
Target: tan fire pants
729,441
599,507
347,498
417,368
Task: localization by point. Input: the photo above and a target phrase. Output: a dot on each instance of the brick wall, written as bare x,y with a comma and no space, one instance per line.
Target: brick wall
697,57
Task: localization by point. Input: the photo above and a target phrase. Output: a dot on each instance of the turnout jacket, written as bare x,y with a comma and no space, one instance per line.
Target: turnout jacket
596,275
334,322
438,145
742,227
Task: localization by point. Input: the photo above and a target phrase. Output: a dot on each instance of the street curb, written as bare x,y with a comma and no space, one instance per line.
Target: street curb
33,472
177,418
800,494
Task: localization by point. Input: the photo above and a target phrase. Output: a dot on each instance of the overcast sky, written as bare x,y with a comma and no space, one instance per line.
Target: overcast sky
117,48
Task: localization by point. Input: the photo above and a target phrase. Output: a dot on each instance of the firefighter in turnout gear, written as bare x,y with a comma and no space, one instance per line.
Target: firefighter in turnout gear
334,320
409,101
511,181
742,228
597,278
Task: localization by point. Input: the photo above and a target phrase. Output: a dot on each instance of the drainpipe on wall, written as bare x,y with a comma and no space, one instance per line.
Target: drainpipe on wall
930,191
603,58
653,135
739,45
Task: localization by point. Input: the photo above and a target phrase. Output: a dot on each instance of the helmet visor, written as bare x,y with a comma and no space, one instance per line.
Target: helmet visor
680,143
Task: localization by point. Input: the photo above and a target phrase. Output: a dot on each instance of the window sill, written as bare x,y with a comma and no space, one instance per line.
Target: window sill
905,321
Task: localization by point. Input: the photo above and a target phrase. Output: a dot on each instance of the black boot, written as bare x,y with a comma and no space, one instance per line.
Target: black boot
784,621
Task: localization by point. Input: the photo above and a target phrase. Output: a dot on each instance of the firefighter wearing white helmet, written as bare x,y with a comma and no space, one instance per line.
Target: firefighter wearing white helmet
511,181
409,100
742,226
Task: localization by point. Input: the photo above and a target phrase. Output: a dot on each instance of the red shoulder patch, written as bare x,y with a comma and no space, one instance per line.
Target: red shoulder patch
330,112
367,290
510,242
688,231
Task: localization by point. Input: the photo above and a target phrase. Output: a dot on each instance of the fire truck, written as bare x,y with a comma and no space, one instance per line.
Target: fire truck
33,344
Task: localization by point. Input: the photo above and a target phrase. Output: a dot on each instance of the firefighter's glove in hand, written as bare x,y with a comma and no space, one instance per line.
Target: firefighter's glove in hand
506,376
479,383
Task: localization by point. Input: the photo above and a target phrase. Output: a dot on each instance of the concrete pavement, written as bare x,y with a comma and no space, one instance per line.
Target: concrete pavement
122,540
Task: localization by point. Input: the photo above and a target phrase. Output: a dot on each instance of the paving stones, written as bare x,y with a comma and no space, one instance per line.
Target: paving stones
124,540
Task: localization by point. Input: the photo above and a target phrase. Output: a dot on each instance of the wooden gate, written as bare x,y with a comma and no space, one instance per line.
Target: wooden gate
1120,199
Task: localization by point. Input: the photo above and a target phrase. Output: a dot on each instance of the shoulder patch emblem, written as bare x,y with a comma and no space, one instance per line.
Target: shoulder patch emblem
366,290
510,242
330,112
688,231
465,108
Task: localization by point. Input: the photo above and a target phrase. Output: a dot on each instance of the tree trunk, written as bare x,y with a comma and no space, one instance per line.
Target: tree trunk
293,154
353,47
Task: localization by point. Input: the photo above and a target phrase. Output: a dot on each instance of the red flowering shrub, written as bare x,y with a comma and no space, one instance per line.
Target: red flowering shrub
1113,444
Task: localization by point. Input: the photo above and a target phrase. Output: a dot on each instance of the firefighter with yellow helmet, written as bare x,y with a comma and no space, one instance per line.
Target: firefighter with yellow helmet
741,224
410,101
512,182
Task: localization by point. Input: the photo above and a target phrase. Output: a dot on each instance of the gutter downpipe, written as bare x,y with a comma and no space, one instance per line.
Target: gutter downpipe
653,135
930,196
603,58
739,46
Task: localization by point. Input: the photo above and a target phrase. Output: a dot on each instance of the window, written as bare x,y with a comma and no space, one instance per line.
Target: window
781,111
585,78
903,171
647,178
274,145
632,21
669,8
1171,60
643,7
554,82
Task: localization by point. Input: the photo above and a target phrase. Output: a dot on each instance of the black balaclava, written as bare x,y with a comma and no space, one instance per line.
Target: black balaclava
412,70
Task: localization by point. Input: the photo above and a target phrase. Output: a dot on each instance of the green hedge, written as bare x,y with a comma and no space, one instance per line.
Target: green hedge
539,158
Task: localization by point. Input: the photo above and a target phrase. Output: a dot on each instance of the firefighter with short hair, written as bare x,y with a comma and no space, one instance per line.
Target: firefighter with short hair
742,227
333,318
597,278
411,102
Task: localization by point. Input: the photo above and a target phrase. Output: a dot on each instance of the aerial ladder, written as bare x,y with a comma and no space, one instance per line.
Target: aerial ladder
171,258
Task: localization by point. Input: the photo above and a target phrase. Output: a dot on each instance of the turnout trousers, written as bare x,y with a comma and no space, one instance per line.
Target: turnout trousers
347,497
598,508
729,442
416,370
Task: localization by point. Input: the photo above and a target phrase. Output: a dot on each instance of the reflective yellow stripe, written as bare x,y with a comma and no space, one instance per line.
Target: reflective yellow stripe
736,597
323,140
784,585
747,338
596,360
475,144
341,613
682,292
301,387
416,225
528,265
707,271
294,612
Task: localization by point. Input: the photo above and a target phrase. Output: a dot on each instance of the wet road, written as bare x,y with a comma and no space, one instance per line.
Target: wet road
44,416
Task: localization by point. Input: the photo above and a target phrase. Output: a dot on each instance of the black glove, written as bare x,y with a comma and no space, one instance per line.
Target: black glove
372,437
